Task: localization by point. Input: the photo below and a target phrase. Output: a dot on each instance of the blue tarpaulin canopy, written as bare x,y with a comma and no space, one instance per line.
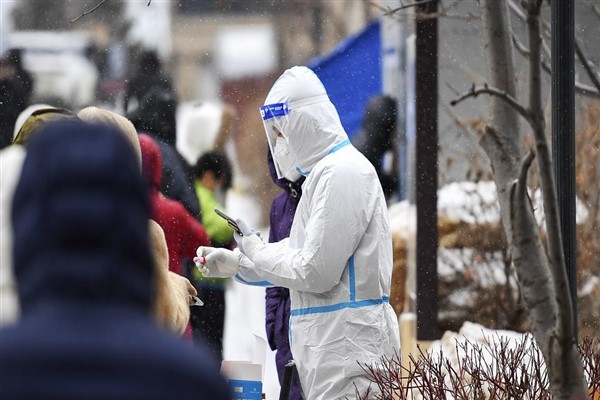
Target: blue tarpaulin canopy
352,74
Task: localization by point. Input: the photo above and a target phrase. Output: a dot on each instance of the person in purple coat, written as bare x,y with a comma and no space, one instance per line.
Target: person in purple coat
277,299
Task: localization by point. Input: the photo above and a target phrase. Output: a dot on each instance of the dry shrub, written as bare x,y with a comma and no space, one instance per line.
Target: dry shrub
587,148
498,369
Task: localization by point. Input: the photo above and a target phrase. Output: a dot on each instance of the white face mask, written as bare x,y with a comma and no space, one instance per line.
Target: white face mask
285,159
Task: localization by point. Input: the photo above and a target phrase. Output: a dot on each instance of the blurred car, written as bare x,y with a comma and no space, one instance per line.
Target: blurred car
59,65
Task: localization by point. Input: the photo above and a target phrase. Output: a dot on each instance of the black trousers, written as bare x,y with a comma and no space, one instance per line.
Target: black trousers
208,321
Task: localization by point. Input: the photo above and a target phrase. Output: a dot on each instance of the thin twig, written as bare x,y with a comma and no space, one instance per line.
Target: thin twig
149,1
515,8
580,87
388,11
90,11
485,89
520,46
588,68
468,17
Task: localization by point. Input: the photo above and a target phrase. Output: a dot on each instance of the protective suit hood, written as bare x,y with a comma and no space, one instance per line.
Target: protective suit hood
298,106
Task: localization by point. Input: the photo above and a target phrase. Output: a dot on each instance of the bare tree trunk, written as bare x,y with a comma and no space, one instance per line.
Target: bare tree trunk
502,140
542,276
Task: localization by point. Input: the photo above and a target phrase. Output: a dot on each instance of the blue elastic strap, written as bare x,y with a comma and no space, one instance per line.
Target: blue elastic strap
260,283
333,150
339,146
352,278
274,110
339,306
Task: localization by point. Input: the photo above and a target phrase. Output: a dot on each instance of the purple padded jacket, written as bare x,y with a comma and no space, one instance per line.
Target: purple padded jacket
277,301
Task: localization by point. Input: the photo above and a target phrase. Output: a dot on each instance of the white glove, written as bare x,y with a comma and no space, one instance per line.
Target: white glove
250,242
217,262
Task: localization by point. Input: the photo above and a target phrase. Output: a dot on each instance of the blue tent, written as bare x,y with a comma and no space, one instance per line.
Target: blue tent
352,74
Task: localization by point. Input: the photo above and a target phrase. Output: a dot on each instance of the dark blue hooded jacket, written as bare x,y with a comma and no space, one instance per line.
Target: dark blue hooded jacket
85,280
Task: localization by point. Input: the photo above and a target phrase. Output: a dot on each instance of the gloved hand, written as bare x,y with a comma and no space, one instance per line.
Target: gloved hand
250,242
217,262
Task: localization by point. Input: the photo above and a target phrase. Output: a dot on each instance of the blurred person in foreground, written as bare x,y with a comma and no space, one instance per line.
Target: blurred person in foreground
172,298
213,173
11,160
33,118
337,261
181,229
277,299
85,279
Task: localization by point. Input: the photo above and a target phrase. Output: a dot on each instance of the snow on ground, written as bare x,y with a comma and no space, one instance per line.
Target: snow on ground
476,202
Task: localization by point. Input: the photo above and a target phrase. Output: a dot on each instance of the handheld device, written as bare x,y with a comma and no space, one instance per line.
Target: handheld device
195,301
230,221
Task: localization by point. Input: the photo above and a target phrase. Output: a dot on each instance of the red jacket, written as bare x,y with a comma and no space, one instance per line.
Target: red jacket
182,231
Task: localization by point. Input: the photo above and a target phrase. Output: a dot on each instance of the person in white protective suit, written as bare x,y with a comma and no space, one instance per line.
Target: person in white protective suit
337,261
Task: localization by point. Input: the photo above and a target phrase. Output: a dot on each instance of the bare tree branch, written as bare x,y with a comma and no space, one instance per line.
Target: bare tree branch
523,169
520,46
485,89
517,10
95,8
388,11
468,17
90,11
586,65
580,87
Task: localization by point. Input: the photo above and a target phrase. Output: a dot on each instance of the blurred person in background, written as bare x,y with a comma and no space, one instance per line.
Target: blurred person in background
147,75
85,276
337,261
12,100
156,117
22,76
277,299
376,139
205,126
213,173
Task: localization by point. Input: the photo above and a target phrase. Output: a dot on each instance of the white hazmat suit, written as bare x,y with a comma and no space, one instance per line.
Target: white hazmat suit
337,261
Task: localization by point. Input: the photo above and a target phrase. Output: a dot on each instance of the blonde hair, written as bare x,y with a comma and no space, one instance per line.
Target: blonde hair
95,115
